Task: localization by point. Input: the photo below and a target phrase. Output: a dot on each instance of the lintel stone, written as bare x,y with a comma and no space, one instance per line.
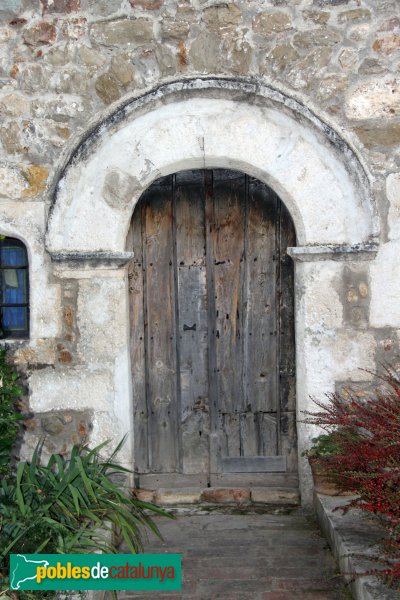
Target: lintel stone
356,252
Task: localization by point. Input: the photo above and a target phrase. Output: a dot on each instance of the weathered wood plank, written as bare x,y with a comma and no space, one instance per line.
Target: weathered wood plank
284,480
137,343
249,434
193,342
154,481
218,442
287,381
287,391
232,433
288,439
161,331
268,427
260,335
254,464
190,223
192,327
228,254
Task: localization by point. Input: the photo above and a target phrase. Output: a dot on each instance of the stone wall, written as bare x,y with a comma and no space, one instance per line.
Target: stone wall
64,60
66,65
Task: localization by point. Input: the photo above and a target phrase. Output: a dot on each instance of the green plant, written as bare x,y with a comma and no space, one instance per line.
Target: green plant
70,505
10,418
324,445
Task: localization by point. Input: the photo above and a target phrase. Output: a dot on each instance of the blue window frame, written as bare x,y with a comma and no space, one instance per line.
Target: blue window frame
14,283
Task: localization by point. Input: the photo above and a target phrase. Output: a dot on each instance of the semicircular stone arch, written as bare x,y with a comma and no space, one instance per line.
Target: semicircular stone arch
201,124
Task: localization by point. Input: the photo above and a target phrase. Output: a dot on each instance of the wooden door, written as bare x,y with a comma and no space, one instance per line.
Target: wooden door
212,333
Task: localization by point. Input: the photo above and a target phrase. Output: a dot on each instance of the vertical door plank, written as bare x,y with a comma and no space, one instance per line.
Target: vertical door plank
228,254
192,325
288,439
268,434
189,197
161,330
249,434
287,383
261,328
218,438
137,344
232,433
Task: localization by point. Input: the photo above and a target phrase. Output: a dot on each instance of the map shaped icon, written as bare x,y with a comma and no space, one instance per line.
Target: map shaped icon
25,570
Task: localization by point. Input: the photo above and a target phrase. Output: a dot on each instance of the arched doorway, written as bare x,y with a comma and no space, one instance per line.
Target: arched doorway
212,333
192,124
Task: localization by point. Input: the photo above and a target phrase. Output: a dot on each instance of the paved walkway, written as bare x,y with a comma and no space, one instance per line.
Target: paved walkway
248,556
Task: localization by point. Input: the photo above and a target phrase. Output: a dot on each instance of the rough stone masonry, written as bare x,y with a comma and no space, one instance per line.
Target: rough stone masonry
67,65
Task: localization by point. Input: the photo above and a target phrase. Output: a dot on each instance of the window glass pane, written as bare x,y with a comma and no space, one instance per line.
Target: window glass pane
15,319
13,256
14,286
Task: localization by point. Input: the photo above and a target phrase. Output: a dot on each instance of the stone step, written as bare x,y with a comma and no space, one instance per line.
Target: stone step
221,495
264,495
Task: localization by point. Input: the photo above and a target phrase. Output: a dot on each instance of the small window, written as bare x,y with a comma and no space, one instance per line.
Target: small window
14,304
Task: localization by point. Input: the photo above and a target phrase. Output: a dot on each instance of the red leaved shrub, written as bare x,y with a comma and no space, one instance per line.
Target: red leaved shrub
366,433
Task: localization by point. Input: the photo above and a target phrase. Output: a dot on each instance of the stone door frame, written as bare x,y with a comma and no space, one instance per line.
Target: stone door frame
200,123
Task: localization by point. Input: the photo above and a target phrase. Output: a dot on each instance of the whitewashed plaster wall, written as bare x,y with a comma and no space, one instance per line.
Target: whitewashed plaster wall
27,222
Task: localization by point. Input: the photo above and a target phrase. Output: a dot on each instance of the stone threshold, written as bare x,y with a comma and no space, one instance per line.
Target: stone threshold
236,496
354,540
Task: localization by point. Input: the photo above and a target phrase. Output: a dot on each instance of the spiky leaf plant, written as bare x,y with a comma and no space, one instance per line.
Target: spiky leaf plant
71,506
